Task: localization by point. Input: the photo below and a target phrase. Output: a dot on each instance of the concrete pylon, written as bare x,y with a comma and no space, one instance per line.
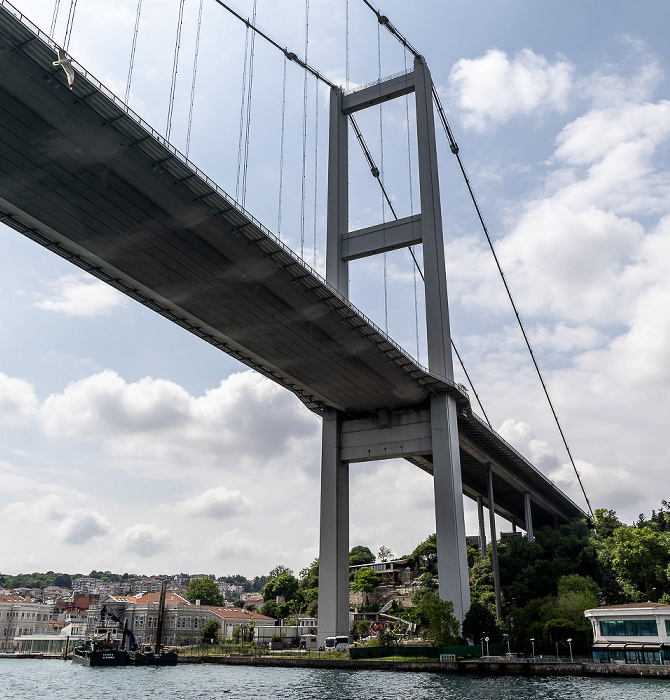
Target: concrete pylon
441,440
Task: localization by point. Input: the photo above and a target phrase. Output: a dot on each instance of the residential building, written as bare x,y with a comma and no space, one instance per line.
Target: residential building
634,633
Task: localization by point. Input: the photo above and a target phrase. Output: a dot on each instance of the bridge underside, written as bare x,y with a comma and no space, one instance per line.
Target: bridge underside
83,177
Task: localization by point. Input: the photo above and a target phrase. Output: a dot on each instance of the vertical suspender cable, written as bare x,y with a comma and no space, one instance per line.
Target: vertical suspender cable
132,50
248,110
381,167
70,23
304,138
242,105
316,158
52,32
175,65
281,148
195,71
346,47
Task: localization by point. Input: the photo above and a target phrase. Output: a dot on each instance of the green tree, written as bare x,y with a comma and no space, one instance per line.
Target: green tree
425,554
480,622
284,585
210,633
360,555
444,627
366,580
205,590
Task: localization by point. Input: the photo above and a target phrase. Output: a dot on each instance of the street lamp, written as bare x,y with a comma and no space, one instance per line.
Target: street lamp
507,640
486,639
570,644
532,641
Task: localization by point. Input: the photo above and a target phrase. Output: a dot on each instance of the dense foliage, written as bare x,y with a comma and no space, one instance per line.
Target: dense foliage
205,590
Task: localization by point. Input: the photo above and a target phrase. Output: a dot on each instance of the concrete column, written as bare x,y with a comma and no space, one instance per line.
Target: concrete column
529,517
337,270
513,524
482,530
437,309
452,559
334,538
494,540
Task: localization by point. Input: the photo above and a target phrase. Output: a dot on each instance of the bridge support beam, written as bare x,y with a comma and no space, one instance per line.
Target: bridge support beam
494,540
529,517
334,535
482,530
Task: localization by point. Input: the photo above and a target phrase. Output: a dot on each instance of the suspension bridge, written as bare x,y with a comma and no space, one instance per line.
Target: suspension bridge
85,177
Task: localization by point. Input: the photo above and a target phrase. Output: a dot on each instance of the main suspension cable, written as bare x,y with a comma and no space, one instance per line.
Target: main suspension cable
383,20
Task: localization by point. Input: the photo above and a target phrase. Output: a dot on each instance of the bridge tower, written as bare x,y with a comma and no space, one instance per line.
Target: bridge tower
383,434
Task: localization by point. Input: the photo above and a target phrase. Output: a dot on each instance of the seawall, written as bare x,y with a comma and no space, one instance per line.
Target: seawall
484,668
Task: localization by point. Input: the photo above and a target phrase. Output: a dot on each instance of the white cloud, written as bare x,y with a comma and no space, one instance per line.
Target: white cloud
521,436
81,295
145,540
82,525
495,88
18,403
217,503
156,427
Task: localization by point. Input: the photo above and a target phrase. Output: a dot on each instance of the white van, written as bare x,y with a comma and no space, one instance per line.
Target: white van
337,643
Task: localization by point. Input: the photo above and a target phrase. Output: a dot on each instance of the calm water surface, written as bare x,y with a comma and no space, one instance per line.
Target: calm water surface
56,680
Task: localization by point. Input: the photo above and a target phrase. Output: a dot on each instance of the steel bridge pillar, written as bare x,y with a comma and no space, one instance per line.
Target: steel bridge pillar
376,436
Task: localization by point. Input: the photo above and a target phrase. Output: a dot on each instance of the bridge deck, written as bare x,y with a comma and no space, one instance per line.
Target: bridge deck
86,178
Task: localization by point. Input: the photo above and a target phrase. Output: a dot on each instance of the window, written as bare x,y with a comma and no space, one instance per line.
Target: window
667,627
628,628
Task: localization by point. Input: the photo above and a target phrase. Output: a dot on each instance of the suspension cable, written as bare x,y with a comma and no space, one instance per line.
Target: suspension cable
132,50
316,159
455,150
242,106
346,47
52,31
376,174
175,65
248,112
281,149
381,163
195,71
70,23
383,20
304,138
289,54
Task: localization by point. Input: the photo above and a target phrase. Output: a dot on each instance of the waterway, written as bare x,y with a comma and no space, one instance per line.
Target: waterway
21,679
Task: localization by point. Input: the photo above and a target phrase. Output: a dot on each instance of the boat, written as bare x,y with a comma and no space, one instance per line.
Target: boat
154,654
100,651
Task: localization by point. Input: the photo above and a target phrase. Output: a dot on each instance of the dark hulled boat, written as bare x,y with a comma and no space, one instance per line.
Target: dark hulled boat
96,652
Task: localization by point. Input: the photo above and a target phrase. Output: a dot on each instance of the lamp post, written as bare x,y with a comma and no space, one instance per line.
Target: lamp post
532,641
507,640
481,641
486,639
570,645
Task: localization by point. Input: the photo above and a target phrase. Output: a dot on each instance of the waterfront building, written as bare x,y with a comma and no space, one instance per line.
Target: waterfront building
21,617
183,621
637,633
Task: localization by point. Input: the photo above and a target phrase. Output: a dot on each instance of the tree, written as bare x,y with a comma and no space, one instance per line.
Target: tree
444,627
360,555
425,554
384,553
205,590
366,580
278,571
210,632
480,622
284,585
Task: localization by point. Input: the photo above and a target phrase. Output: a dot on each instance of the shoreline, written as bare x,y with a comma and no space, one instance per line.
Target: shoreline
472,668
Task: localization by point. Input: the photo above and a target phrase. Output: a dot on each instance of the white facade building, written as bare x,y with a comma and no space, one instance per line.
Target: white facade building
633,633
19,617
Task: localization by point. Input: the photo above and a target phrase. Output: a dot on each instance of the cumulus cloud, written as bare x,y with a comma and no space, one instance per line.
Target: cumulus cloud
495,88
219,503
18,403
54,514
156,426
521,436
145,540
81,295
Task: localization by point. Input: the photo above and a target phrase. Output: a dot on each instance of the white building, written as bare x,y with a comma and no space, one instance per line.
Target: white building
19,617
635,633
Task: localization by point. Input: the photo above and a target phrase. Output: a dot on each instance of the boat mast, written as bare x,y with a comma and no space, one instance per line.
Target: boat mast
161,610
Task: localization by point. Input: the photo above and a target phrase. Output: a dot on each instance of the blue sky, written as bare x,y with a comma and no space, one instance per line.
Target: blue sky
127,444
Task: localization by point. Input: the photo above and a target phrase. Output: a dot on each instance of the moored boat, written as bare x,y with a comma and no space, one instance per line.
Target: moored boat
98,652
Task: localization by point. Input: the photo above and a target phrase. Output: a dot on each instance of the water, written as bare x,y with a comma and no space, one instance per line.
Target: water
21,679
